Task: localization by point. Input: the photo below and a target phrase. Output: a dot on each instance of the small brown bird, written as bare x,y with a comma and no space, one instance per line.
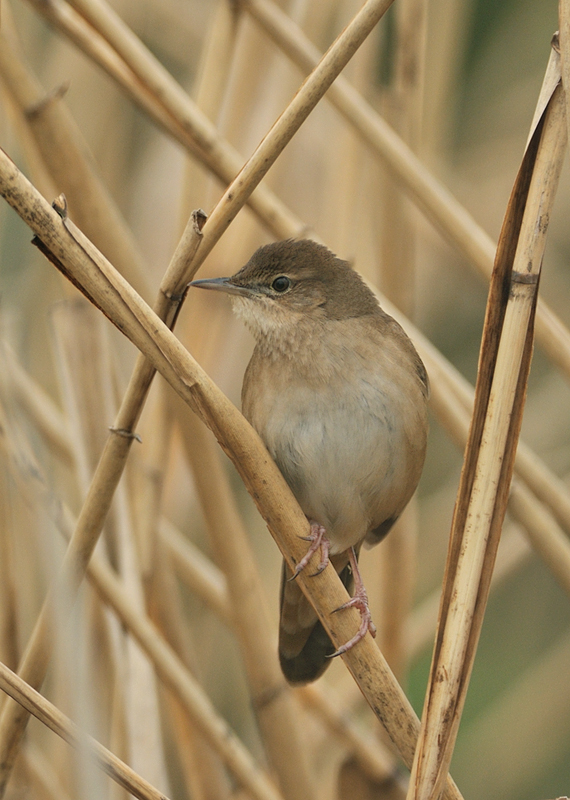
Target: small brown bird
338,394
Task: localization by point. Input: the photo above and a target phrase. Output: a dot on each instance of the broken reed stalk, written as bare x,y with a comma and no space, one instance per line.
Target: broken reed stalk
77,257
185,262
489,459
52,717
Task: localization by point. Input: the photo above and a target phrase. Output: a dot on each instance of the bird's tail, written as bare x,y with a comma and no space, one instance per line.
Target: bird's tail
304,645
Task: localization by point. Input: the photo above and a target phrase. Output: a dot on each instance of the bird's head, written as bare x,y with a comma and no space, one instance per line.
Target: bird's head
286,283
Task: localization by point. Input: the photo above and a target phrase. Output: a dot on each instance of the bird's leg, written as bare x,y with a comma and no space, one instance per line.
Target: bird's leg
317,538
360,601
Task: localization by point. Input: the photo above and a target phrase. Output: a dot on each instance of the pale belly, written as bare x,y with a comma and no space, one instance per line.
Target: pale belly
345,454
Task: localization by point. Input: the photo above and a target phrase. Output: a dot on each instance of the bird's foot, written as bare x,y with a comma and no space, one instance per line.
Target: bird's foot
360,601
318,539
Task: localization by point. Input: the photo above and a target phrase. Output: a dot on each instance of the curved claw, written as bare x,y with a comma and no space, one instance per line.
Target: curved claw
366,624
359,601
317,538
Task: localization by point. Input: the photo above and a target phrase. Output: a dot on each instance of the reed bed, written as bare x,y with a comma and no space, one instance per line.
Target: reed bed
144,141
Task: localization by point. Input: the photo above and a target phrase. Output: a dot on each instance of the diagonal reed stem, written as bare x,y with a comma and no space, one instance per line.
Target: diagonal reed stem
76,257
183,266
23,694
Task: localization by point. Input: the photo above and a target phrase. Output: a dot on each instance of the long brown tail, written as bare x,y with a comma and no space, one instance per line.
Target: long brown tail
304,645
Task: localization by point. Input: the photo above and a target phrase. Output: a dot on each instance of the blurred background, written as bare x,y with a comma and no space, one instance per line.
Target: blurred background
459,81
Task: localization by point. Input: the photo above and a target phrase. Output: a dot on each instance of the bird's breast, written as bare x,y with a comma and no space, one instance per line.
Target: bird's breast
349,440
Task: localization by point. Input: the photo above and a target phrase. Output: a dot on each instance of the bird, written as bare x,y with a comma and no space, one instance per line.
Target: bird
338,394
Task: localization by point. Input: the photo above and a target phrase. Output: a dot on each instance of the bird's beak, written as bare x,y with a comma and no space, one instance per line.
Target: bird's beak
222,285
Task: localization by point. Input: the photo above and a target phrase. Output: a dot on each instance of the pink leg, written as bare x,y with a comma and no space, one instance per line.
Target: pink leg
360,601
317,538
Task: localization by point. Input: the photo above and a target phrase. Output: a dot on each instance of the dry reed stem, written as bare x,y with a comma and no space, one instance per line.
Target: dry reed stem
177,678
564,44
167,664
276,708
475,534
403,104
74,254
51,716
437,203
170,108
452,403
192,129
113,458
71,166
513,552
204,579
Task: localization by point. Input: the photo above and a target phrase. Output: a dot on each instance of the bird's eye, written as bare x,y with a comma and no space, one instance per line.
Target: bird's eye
281,284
